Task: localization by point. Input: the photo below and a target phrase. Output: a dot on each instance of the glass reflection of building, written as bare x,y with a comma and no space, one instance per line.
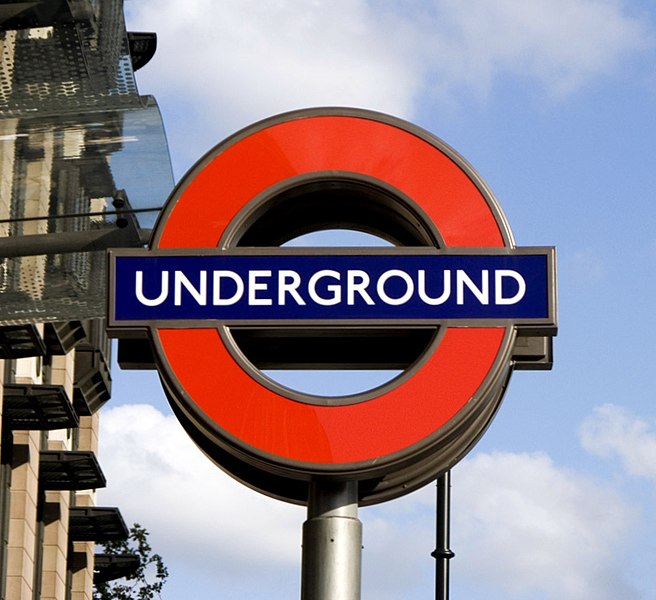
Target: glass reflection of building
83,166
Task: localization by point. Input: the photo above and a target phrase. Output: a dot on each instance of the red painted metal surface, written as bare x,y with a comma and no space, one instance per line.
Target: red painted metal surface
267,422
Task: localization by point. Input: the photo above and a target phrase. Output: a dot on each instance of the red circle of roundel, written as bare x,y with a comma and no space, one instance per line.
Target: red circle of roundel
265,421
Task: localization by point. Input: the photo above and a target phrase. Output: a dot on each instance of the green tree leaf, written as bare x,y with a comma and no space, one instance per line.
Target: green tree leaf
146,582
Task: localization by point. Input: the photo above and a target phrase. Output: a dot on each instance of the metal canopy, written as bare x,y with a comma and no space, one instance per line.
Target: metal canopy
17,14
66,55
71,470
142,48
108,567
74,133
92,384
37,407
62,337
96,524
21,341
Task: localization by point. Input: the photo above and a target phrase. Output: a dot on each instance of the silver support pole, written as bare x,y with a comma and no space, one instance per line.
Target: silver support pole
332,543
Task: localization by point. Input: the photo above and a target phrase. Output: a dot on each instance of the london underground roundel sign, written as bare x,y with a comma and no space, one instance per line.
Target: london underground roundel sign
451,303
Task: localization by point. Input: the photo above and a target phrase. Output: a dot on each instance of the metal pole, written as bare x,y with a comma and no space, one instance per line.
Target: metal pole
73,241
332,543
443,553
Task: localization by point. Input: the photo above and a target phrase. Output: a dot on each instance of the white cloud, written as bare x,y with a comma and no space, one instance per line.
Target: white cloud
249,58
198,517
398,539
204,523
518,520
222,64
532,529
562,44
614,432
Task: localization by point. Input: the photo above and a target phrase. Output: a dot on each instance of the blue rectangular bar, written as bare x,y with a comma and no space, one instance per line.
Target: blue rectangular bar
320,287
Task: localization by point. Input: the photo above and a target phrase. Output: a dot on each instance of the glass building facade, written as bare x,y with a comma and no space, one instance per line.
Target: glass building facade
76,141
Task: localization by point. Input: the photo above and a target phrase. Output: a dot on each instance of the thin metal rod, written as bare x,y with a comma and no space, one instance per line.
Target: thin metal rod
73,241
104,213
331,567
443,553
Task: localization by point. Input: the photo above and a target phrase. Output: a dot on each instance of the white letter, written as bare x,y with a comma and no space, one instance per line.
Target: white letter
200,294
410,287
163,295
334,288
498,286
239,292
462,280
421,288
288,282
254,286
353,286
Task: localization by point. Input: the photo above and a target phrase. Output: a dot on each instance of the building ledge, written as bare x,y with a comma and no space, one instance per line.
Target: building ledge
61,337
38,407
72,470
21,341
96,524
108,567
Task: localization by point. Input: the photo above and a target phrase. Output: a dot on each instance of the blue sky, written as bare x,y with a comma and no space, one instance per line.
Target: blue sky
553,102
